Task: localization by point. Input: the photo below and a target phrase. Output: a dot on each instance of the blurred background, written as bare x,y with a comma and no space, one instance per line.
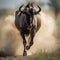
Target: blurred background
50,7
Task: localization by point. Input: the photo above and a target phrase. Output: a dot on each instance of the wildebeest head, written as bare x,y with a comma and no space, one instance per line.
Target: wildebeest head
29,12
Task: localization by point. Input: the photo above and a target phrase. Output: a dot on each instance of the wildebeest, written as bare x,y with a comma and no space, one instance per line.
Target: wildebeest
26,24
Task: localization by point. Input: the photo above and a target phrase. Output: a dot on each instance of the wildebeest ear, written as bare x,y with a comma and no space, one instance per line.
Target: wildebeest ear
17,13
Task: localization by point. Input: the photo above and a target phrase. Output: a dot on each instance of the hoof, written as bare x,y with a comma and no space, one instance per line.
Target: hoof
27,47
25,54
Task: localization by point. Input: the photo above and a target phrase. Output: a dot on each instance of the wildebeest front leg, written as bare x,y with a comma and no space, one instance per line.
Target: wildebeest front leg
24,43
31,42
32,37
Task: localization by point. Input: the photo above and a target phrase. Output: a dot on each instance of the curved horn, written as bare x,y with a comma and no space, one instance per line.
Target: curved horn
20,7
36,12
21,10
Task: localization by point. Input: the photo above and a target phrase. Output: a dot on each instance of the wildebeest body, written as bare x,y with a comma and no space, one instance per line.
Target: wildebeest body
27,24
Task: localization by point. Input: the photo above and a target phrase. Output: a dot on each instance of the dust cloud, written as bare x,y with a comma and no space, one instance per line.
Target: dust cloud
44,40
